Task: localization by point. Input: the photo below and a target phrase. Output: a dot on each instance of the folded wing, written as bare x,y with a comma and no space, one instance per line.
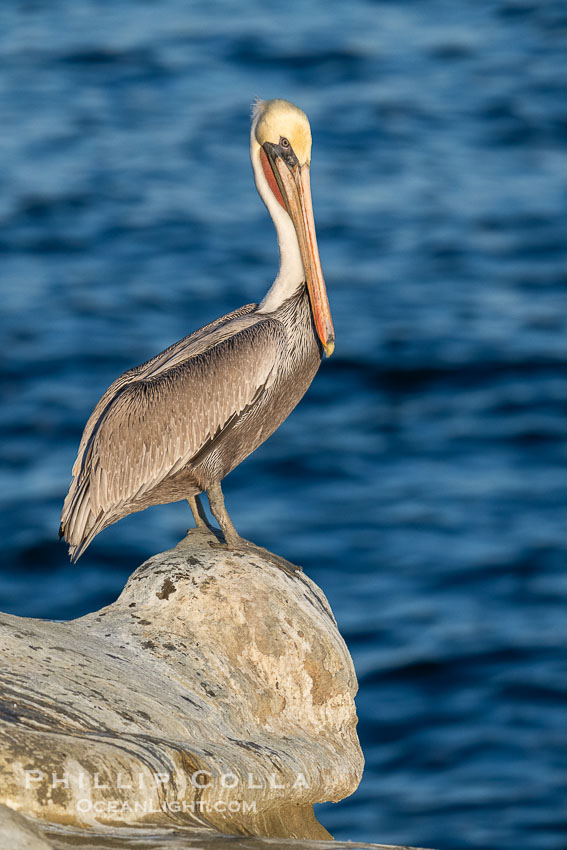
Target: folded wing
155,419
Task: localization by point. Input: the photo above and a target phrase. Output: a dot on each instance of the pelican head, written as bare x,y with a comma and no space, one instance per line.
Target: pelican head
281,149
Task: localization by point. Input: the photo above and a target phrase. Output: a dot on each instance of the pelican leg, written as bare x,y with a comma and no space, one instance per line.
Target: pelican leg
198,512
232,538
220,513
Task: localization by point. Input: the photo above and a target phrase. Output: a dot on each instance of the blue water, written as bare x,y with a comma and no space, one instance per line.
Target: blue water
423,480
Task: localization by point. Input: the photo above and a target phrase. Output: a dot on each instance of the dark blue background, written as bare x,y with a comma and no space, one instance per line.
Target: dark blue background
422,482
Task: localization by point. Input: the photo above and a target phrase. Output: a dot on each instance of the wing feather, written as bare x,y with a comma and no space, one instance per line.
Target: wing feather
155,419
197,342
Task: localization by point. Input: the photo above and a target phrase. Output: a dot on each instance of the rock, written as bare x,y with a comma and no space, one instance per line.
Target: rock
18,833
216,693
180,838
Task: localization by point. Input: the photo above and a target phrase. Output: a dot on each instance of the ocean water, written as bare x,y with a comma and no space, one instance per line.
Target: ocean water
422,482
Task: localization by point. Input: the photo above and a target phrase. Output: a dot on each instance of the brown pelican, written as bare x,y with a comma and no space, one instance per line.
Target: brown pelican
173,427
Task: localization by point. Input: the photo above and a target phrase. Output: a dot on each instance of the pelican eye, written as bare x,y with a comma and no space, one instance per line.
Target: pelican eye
284,143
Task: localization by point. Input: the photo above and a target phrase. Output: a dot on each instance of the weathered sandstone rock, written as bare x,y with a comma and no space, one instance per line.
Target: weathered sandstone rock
216,693
18,832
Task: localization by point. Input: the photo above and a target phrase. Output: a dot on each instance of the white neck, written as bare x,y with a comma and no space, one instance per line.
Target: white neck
291,275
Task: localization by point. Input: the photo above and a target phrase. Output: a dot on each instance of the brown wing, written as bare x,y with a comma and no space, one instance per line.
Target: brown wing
180,351
162,417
